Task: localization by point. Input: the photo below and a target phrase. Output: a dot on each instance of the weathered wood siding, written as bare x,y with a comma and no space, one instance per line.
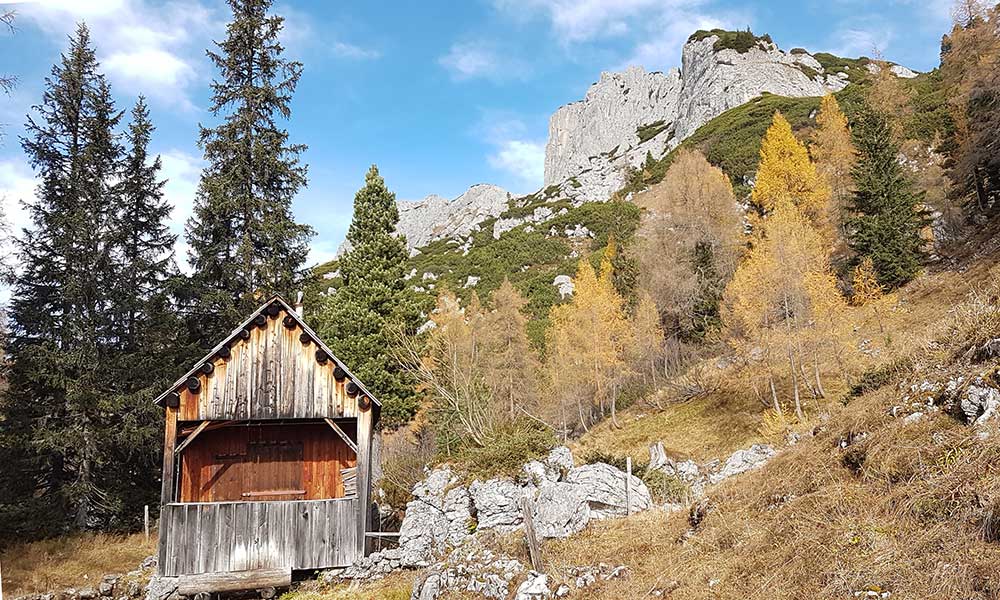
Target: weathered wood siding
271,375
261,459
242,536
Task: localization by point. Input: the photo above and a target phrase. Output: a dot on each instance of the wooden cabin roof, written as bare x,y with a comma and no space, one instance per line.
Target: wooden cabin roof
234,337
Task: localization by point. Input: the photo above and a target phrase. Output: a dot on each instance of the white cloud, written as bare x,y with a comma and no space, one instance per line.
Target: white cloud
523,159
299,36
182,172
17,185
145,47
658,28
321,251
345,50
581,20
483,59
861,42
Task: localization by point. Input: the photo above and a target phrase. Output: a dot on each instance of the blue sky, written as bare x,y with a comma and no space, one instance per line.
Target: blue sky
440,94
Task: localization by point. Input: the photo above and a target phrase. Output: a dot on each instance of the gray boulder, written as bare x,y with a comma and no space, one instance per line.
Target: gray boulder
498,503
604,487
439,516
741,461
162,588
980,403
561,510
535,587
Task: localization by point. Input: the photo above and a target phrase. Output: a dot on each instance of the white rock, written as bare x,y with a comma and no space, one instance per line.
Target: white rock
980,403
536,587
471,281
605,490
561,509
565,285
913,418
498,504
743,460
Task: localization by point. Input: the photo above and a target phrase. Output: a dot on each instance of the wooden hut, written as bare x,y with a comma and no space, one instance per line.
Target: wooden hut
266,459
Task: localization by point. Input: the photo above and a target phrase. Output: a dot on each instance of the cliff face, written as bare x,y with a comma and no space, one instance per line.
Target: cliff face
626,115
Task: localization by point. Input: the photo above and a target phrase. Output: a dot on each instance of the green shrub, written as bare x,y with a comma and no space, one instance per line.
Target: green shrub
741,41
650,130
881,375
511,446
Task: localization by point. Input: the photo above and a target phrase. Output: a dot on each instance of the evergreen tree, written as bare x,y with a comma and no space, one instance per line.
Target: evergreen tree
146,326
57,408
244,241
360,321
887,213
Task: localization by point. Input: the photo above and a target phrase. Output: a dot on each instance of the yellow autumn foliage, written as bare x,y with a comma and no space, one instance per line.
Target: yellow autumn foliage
787,176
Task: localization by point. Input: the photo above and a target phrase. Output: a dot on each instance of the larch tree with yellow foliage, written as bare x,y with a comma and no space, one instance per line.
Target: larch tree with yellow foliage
586,345
786,174
511,365
867,292
782,304
834,153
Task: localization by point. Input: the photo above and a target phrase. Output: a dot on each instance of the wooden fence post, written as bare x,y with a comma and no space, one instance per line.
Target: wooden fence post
628,485
534,550
145,523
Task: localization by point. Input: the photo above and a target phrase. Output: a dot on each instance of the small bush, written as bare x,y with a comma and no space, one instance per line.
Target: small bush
650,130
511,446
882,375
403,459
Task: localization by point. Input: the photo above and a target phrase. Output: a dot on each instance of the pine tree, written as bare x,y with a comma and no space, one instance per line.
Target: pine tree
244,241
834,153
63,329
887,214
362,318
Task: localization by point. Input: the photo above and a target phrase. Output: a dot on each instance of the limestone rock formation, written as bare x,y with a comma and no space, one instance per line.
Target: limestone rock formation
437,218
624,116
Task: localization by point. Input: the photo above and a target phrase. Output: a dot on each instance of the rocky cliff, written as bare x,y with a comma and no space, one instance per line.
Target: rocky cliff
626,115
435,218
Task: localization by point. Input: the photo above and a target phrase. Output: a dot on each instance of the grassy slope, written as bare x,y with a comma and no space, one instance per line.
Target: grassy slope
76,561
911,509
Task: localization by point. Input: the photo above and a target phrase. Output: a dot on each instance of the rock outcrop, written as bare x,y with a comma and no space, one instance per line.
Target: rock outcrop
437,218
626,115
446,514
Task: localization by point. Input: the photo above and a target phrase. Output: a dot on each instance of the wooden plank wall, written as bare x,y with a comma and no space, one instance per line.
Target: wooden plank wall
241,536
222,464
272,375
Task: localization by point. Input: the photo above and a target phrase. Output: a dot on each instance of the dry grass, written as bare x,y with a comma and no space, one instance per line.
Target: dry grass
916,518
688,429
396,586
76,561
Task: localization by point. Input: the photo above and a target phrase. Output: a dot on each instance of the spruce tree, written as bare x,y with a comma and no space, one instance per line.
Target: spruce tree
62,328
244,241
887,212
145,326
360,321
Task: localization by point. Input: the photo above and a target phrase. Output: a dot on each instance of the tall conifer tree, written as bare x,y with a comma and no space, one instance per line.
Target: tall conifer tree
62,326
887,212
244,241
359,320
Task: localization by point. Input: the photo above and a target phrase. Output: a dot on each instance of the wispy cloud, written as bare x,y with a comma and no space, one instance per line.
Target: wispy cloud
483,59
853,42
657,29
514,152
147,48
301,36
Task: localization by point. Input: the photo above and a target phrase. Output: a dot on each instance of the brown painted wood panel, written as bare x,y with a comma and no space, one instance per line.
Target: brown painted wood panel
265,462
271,375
